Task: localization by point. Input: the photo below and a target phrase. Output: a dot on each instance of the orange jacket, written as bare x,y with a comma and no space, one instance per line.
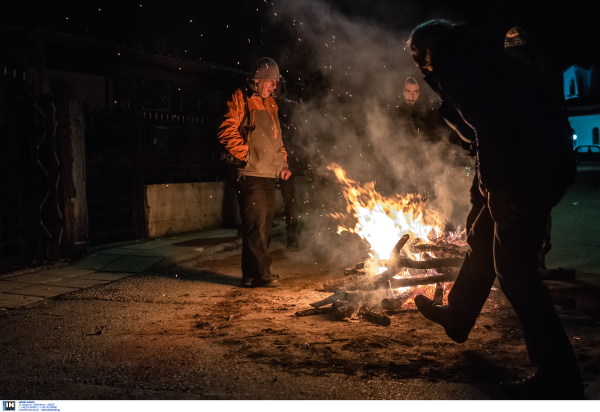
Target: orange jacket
263,153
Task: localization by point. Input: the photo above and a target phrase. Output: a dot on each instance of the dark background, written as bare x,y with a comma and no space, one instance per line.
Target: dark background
235,33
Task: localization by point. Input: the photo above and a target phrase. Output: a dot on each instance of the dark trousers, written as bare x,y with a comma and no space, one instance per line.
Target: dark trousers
511,254
257,207
290,209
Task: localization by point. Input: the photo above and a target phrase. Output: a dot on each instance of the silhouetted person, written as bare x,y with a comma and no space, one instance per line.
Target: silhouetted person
525,165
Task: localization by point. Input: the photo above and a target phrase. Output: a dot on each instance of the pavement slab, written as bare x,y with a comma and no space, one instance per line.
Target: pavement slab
153,244
111,277
133,264
118,251
44,291
96,261
66,271
35,278
6,285
168,251
11,301
77,282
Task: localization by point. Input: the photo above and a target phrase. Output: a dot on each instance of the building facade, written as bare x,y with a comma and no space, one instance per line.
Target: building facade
582,96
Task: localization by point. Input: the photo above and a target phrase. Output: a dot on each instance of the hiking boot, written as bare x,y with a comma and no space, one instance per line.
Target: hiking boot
268,281
437,314
543,385
246,282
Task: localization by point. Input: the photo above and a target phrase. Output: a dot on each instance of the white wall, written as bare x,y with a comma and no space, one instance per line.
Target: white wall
583,126
574,72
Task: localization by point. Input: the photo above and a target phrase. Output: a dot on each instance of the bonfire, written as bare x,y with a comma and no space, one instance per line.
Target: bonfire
410,253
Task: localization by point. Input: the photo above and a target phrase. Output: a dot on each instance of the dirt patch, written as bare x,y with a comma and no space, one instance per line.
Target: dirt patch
259,325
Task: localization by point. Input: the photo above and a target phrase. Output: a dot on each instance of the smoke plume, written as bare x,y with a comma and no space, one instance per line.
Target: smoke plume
354,73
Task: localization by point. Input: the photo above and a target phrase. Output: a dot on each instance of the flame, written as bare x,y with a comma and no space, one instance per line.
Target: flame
382,221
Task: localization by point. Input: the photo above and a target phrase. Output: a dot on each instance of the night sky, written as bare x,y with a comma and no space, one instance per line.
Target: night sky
235,33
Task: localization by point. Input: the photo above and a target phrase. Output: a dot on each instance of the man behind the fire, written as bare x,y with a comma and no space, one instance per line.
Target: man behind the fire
251,132
525,165
412,91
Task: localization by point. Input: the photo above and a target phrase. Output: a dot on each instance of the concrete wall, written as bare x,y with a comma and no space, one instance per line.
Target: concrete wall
182,207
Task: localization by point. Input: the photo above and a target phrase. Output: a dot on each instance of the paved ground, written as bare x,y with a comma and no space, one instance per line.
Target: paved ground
576,227
110,264
122,325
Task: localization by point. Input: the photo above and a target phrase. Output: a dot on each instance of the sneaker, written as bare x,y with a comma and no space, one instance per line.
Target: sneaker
546,386
437,314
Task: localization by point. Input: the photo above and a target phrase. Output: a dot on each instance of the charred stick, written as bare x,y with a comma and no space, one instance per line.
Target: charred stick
359,269
376,318
438,297
338,295
343,310
313,311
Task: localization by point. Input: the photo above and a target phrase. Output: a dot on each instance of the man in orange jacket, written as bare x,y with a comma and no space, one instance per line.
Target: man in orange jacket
251,133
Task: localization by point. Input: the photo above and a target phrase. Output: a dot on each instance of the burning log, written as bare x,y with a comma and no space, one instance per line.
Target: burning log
442,247
376,318
430,264
395,302
398,247
449,276
341,283
313,311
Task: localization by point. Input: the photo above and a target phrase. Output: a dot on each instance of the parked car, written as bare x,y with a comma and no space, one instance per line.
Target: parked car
587,154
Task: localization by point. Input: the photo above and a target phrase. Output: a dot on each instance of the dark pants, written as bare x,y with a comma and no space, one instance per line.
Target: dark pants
290,210
257,206
511,254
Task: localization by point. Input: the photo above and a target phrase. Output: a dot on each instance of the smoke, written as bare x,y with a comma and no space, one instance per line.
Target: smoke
352,79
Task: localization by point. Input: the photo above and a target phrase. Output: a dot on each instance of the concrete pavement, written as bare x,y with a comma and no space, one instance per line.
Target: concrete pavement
111,263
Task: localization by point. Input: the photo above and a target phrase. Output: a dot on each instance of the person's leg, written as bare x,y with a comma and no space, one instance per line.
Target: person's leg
515,256
258,209
472,286
474,282
255,251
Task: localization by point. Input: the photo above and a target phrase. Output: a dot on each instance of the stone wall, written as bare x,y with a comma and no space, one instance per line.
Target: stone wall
183,207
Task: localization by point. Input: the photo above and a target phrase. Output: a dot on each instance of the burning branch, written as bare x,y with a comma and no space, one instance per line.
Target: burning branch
442,247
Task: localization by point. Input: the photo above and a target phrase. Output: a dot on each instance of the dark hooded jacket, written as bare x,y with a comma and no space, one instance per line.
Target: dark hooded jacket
522,138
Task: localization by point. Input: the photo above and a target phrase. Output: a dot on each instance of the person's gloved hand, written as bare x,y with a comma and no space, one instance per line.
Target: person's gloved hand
503,209
285,173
